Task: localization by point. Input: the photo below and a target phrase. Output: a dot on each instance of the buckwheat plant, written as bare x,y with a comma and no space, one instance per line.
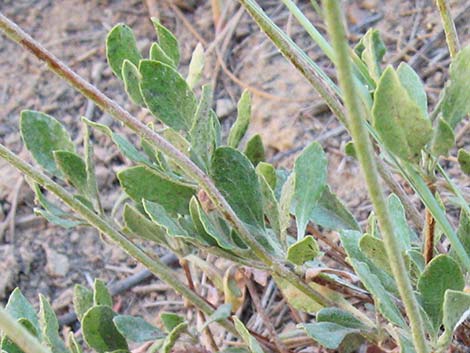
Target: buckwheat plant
195,193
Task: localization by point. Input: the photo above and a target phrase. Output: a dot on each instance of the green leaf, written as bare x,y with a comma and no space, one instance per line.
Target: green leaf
50,327
240,126
268,172
167,95
230,169
143,227
58,220
73,168
402,229
464,160
374,249
72,344
82,300
350,241
206,228
171,320
121,45
254,150
285,202
303,250
340,317
270,204
196,65
19,307
233,294
101,295
400,122
144,183
455,102
441,274
443,138
160,216
382,297
249,340
131,78
170,340
167,41
222,313
136,329
350,150
413,85
328,334
331,213
99,330
371,49
456,309
42,134
463,233
310,170
126,147
202,133
157,54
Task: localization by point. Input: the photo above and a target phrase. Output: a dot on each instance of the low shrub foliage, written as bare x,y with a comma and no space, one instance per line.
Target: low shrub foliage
216,194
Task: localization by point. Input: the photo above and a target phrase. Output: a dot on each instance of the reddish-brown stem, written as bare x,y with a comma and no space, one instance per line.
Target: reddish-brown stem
429,227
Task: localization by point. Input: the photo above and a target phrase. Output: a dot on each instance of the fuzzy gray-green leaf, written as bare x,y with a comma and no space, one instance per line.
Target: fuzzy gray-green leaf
99,330
455,103
249,340
329,334
464,160
50,327
136,329
331,213
101,295
143,227
374,249
230,169
167,95
254,150
398,119
131,78
144,183
82,300
441,274
240,126
443,138
19,307
121,45
171,320
202,132
222,313
73,168
157,54
397,214
456,310
196,66
42,134
371,49
303,250
413,85
167,41
310,171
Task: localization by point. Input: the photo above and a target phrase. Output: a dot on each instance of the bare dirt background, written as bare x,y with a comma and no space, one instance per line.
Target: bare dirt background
288,114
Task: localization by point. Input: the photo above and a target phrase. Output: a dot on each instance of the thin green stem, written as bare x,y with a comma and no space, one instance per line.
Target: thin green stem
448,23
20,335
366,158
310,28
116,111
153,264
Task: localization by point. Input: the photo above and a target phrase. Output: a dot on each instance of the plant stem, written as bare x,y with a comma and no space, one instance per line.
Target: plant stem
448,23
20,335
366,158
115,110
153,264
